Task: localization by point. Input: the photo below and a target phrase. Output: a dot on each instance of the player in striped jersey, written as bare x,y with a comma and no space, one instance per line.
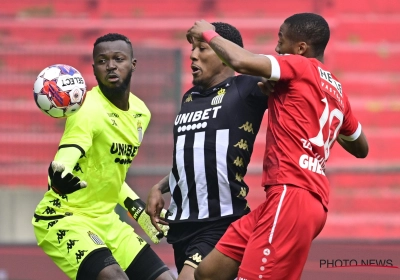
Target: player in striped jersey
214,135
308,112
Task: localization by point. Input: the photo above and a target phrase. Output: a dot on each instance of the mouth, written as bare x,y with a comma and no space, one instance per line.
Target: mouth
195,69
112,78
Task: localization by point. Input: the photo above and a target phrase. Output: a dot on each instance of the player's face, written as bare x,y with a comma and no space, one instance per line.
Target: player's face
113,65
285,45
206,66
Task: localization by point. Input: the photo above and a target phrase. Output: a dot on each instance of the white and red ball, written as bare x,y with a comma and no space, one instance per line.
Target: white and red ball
59,90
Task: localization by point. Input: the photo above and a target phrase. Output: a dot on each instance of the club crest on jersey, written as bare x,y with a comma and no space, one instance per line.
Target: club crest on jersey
95,238
218,99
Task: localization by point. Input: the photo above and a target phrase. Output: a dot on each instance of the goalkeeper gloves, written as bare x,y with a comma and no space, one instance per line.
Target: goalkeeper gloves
136,209
63,184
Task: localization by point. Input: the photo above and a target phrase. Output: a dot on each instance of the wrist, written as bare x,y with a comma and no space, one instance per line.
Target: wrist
208,35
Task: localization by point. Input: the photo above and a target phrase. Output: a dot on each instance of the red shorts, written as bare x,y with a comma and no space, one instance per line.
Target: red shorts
273,241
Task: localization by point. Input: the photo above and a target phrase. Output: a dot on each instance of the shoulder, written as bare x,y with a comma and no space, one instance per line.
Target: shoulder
189,92
91,100
245,79
138,106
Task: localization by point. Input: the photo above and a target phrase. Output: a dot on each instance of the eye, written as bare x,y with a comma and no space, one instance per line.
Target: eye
101,61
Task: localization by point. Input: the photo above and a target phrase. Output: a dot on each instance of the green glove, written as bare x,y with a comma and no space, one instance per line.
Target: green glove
136,209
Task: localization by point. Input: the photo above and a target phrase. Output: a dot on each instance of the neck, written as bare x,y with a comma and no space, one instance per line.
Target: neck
118,96
219,79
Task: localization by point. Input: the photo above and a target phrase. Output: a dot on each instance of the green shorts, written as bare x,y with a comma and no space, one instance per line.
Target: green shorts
67,241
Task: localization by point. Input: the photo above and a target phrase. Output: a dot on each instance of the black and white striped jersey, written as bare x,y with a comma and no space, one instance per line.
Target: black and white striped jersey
214,134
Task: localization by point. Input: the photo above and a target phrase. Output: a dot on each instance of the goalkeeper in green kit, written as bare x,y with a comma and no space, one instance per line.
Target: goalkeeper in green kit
75,222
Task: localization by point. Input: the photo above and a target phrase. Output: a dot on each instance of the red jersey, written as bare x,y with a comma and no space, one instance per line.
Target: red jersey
306,113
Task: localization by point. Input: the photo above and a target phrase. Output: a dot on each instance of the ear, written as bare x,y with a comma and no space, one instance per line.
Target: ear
134,61
301,48
93,67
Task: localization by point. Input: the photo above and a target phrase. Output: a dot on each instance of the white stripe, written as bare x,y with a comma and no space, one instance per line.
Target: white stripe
277,214
354,136
221,147
199,174
275,68
180,165
172,207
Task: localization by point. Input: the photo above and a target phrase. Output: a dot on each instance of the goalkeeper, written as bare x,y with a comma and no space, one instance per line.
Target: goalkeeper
75,223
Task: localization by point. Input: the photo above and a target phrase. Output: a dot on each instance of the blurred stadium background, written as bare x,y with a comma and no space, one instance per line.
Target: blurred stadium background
364,52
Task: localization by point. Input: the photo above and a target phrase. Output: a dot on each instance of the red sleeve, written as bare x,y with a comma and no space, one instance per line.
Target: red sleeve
287,67
351,128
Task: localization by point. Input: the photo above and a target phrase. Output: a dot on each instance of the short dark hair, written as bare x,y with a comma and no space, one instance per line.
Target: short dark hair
110,37
228,32
311,28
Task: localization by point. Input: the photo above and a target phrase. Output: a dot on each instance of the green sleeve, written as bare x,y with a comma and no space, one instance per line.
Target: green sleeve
125,192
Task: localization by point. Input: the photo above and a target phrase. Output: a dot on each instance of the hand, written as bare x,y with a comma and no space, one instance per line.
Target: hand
266,86
136,209
154,206
196,31
66,184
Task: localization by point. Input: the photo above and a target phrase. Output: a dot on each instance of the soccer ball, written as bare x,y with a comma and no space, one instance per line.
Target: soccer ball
59,90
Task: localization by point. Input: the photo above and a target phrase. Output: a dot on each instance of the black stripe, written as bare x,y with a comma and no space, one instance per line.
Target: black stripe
190,177
47,218
212,178
75,146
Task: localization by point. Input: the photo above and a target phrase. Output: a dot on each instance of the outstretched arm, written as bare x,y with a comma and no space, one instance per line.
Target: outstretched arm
237,58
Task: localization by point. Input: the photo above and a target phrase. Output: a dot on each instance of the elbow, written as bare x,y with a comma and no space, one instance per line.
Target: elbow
362,153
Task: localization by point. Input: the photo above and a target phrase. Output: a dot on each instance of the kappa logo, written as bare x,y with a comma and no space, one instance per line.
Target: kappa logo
71,244
242,192
188,99
79,255
242,144
61,234
49,211
239,177
248,127
95,238
196,257
56,202
77,168
238,162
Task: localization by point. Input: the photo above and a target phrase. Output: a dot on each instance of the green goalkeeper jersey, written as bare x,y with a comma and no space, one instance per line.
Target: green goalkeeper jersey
108,139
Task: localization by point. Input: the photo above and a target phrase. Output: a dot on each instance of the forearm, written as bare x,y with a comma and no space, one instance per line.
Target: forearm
239,59
163,185
126,195
68,157
358,148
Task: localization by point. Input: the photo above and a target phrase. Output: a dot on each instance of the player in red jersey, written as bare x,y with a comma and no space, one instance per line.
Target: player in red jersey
308,111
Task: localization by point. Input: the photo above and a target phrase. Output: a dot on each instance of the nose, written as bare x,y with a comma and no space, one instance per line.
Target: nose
193,55
110,65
